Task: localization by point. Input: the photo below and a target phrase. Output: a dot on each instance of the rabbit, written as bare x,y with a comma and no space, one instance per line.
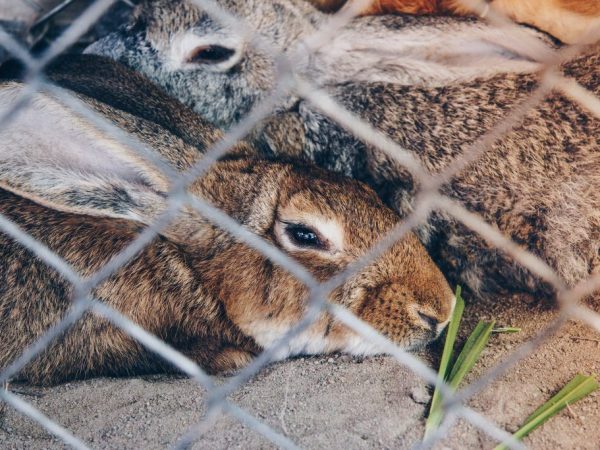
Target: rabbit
176,45
85,196
539,184
567,20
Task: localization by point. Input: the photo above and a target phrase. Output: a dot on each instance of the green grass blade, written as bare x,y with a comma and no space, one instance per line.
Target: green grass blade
467,347
575,390
565,391
453,327
470,352
435,411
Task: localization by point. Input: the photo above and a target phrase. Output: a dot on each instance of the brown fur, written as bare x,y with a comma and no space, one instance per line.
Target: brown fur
538,183
585,7
196,287
567,20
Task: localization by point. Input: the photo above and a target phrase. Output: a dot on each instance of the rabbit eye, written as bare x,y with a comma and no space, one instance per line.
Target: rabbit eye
305,237
210,54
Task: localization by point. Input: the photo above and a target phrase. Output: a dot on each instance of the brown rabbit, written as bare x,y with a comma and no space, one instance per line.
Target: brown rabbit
86,196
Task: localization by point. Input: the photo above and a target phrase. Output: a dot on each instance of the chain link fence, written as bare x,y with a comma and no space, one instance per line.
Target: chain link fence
428,200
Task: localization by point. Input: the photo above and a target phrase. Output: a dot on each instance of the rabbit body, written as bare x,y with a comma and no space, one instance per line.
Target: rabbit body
538,183
86,196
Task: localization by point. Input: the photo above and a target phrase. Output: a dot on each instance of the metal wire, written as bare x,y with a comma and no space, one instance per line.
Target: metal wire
429,199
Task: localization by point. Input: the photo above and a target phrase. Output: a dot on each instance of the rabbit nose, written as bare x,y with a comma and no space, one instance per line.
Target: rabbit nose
436,320
429,320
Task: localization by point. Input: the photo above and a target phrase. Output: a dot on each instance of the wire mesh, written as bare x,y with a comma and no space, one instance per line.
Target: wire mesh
428,200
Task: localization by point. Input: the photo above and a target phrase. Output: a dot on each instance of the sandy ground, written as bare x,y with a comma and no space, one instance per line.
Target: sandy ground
332,401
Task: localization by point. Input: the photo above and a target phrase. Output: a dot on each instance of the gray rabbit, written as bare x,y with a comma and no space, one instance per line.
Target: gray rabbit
539,184
213,68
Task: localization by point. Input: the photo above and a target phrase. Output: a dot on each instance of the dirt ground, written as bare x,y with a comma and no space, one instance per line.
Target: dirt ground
332,401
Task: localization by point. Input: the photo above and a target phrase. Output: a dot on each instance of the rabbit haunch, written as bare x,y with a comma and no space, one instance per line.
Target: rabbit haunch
538,183
85,196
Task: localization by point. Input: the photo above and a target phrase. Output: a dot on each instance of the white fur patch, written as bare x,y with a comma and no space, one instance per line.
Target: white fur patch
51,155
183,46
330,230
358,346
427,55
310,342
47,134
266,334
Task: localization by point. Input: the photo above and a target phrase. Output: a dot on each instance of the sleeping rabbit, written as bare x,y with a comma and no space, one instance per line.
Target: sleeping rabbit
85,196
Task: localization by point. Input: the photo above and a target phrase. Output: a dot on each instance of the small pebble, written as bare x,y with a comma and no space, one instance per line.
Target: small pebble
419,395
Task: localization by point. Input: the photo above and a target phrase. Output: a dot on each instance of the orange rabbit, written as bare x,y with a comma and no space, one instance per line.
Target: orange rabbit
568,20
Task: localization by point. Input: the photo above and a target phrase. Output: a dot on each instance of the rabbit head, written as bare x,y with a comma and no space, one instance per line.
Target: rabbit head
182,47
323,221
220,71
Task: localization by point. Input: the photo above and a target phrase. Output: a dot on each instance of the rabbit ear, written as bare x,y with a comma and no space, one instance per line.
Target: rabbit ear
54,157
427,50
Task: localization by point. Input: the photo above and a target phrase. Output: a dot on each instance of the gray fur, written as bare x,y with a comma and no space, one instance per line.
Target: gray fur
429,51
539,184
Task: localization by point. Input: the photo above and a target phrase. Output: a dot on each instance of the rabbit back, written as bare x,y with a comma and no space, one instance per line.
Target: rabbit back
93,346
538,182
